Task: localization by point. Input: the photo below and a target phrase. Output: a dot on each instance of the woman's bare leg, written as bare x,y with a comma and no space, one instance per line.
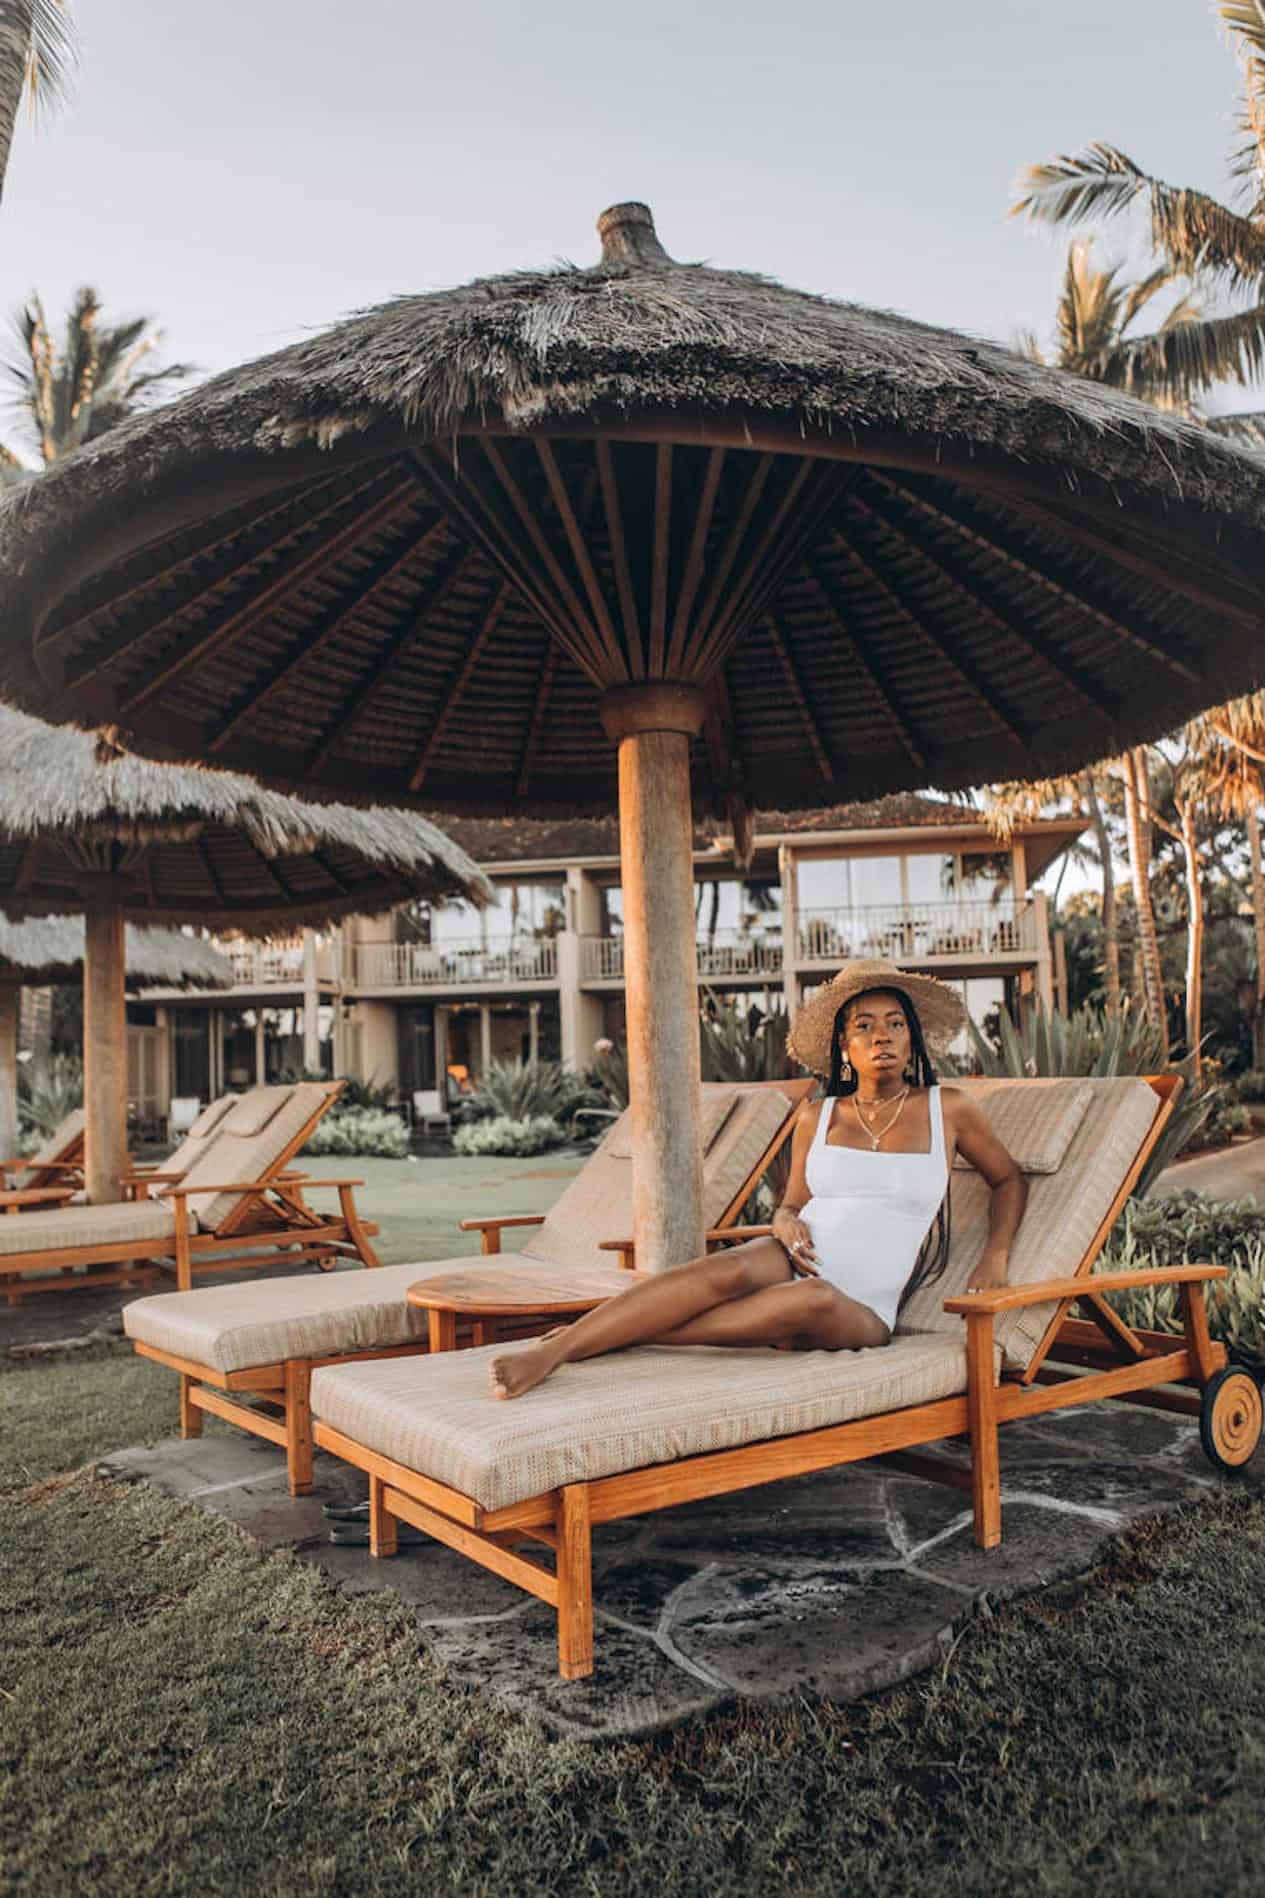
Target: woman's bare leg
649,1310
808,1315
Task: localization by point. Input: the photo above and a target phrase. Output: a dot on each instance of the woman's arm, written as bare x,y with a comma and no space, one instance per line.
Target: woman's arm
788,1228
975,1139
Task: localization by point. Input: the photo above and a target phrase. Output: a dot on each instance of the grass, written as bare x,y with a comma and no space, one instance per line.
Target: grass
179,1710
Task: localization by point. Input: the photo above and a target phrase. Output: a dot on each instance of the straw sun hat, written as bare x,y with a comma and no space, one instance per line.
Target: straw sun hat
939,1009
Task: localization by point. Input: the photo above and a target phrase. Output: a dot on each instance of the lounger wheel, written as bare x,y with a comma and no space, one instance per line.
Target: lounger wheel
1231,1417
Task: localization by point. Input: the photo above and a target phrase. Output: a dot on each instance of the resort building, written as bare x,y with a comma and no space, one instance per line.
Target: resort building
407,999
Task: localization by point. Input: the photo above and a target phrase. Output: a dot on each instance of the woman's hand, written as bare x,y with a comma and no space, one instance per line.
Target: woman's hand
796,1241
993,1270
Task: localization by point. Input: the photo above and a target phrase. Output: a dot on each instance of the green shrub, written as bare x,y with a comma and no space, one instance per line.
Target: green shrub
360,1130
503,1133
1190,1228
1250,1085
1228,1117
46,1096
1088,1042
740,1043
526,1090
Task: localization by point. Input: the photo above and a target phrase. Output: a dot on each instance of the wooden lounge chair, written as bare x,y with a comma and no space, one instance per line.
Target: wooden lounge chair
234,1205
238,1347
56,1162
648,1428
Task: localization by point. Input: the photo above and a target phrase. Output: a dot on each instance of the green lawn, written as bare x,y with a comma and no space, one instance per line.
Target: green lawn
179,1711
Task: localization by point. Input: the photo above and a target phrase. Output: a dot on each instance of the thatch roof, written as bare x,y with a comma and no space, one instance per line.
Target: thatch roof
495,840
402,558
192,845
50,949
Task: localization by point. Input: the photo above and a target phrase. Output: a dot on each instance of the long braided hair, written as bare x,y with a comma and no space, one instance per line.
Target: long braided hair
933,1254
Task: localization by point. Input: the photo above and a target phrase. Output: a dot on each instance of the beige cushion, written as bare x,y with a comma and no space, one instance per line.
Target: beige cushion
624,1412
250,1113
66,1136
716,1107
1062,1217
210,1117
1034,1120
86,1225
598,1203
315,1314
233,1157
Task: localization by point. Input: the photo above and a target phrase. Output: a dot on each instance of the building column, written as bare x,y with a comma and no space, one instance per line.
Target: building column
311,1006
1051,992
10,997
441,1053
485,1039
261,1057
790,927
104,1053
533,1031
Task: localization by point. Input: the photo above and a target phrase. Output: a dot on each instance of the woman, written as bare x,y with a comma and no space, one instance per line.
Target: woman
865,1216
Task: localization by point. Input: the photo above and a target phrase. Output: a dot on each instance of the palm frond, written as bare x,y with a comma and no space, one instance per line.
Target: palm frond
1196,234
52,51
1187,356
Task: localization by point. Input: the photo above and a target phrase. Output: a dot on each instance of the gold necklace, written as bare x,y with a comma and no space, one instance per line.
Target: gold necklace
876,1138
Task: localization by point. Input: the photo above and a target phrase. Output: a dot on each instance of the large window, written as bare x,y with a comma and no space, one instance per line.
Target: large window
520,912
191,1053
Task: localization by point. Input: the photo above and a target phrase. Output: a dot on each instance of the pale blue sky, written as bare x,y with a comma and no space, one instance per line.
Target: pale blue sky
255,168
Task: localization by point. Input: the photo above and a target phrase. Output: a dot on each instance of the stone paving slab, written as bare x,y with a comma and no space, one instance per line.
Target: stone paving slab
833,1585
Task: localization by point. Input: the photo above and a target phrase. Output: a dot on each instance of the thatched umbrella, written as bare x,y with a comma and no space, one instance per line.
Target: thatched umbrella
83,826
45,949
792,550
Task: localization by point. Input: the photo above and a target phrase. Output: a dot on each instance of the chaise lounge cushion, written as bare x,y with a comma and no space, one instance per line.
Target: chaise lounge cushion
598,1203
230,1157
651,1405
211,1116
1063,1214
238,1327
1035,1121
60,1226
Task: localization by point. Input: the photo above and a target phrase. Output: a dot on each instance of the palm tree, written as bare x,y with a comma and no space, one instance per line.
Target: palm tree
1096,309
37,56
1198,238
1233,744
103,374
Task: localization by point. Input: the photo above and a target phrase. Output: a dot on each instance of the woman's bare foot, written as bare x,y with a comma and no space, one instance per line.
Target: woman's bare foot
523,1370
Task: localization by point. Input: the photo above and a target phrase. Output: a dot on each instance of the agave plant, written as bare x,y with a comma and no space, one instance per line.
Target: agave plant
525,1090
1089,1042
733,1048
48,1094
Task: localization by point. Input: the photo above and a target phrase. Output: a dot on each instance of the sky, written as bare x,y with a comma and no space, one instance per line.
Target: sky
248,172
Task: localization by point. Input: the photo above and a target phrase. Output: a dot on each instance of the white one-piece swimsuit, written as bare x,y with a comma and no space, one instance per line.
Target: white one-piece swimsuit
870,1212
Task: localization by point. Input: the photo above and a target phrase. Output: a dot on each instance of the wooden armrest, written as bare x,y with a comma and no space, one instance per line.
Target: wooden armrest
502,1219
1013,1297
149,1179
212,1186
32,1195
306,1179
718,1234
43,1166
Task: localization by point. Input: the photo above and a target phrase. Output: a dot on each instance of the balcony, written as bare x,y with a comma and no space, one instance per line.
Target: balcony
919,932
460,966
273,965
728,954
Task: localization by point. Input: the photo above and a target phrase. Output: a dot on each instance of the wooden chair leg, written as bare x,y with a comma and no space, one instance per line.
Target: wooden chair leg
1198,1337
184,1262
356,1232
190,1415
383,1528
298,1373
575,1584
443,1330
981,1399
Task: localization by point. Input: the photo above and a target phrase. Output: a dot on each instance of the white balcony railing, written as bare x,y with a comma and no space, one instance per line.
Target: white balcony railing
729,952
277,964
392,965
917,932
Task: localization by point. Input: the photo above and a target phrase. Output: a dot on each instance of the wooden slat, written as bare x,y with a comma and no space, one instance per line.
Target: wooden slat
539,712
448,1502
775,548
578,620
762,468
780,641
453,691
582,557
291,573
203,1398
695,558
660,559
619,559
1017,1400
869,666
1112,1325
486,1550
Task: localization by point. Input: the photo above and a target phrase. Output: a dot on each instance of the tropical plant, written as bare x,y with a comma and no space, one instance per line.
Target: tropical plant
37,57
1194,235
524,1090
508,1134
1250,1085
360,1130
741,1043
1088,1042
1159,1232
48,1093
102,375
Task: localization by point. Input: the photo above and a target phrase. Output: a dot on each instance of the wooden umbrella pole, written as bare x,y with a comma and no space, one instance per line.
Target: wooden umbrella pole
104,1052
653,725
10,993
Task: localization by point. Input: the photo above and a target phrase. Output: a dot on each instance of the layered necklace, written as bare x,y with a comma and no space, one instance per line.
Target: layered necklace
876,1134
